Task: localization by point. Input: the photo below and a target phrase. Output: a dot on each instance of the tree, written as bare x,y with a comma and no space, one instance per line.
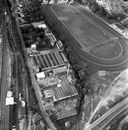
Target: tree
125,126
126,10
108,16
119,98
111,103
32,10
85,2
95,7
102,11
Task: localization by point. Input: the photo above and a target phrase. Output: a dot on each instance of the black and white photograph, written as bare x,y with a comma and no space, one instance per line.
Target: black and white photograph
63,64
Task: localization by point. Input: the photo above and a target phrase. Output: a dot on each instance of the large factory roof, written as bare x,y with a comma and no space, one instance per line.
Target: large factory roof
59,86
63,114
64,90
49,59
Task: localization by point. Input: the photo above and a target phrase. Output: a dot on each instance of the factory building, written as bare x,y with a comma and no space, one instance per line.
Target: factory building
56,81
55,78
52,59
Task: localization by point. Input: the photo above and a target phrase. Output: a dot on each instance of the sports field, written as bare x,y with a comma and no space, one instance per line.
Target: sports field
93,40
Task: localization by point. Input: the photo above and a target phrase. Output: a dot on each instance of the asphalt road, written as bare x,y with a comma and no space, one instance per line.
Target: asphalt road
92,39
5,83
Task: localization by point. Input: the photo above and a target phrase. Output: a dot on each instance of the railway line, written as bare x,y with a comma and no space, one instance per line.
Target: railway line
10,44
0,53
5,82
109,116
5,110
1,30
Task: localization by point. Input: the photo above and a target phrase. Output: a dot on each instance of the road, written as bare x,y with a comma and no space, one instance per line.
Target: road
5,82
93,41
108,118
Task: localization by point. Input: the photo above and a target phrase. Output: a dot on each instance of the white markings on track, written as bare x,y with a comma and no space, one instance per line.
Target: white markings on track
105,42
110,38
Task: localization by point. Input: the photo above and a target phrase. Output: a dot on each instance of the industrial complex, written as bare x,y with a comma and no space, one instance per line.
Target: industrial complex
53,75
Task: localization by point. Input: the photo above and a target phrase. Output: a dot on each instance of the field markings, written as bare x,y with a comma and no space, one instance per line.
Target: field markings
111,38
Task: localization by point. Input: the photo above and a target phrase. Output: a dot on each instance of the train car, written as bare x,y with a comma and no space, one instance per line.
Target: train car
10,98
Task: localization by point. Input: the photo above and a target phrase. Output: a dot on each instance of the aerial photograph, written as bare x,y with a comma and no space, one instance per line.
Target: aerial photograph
63,64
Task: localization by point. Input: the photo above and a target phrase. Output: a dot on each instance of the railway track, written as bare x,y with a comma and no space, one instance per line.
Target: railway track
1,37
5,82
10,43
0,53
